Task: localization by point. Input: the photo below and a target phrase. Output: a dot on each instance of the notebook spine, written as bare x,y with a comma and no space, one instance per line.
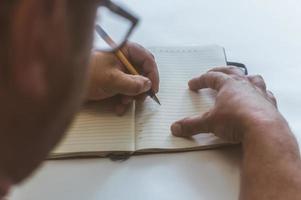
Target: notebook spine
119,156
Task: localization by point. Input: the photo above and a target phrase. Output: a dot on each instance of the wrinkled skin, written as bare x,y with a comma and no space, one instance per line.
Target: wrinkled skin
109,79
246,112
242,102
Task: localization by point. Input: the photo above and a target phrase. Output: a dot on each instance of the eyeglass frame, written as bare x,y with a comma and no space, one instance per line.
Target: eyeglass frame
123,13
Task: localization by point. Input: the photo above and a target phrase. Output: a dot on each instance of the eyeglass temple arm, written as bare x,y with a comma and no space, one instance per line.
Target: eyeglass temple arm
120,11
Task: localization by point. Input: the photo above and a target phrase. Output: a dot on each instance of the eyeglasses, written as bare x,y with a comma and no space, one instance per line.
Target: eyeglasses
114,26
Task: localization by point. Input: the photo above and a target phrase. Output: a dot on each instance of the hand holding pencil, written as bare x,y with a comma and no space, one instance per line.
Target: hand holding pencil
123,59
110,79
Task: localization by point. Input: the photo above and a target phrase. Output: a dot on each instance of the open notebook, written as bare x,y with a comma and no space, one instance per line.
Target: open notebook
145,128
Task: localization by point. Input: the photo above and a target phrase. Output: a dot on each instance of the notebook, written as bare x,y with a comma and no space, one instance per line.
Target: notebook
145,128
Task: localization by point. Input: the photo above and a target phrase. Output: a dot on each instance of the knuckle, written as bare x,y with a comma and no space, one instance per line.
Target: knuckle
260,81
270,94
233,69
236,70
236,77
251,79
217,83
216,80
219,68
228,79
222,80
259,78
271,97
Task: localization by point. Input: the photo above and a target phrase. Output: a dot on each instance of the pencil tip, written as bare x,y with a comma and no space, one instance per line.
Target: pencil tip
151,94
156,99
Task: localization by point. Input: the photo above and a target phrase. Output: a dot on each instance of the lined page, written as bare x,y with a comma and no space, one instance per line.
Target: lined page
177,66
97,128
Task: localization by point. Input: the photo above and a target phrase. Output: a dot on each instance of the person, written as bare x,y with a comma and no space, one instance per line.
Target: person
44,78
44,52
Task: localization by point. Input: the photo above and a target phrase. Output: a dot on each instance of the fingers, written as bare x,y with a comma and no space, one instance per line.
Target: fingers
230,70
211,79
192,125
145,61
127,84
258,81
215,78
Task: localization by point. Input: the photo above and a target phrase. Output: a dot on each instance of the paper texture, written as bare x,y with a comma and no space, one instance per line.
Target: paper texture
96,129
177,66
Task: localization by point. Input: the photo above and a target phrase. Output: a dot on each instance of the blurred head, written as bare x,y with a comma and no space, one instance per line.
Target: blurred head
44,51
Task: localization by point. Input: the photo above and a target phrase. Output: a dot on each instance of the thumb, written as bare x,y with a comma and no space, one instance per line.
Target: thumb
192,125
130,85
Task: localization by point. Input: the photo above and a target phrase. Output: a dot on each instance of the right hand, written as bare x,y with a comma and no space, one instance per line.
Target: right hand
108,77
242,103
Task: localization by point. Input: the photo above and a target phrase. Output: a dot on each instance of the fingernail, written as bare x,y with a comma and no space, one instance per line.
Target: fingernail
147,85
176,129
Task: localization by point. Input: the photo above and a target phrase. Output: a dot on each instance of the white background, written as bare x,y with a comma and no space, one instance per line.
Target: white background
263,34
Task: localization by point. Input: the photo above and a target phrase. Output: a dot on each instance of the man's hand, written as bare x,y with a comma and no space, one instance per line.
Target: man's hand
245,111
109,78
242,103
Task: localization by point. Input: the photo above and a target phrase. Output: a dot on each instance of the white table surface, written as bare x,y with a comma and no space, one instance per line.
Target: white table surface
263,34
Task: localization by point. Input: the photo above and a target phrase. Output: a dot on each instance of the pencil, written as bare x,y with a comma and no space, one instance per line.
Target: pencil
123,59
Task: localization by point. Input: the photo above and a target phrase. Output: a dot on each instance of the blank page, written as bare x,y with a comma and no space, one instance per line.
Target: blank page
97,128
177,66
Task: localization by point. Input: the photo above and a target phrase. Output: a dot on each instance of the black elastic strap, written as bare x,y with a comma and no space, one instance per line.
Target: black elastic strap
240,65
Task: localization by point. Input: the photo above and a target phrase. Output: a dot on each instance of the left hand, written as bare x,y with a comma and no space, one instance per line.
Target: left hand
109,78
243,105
